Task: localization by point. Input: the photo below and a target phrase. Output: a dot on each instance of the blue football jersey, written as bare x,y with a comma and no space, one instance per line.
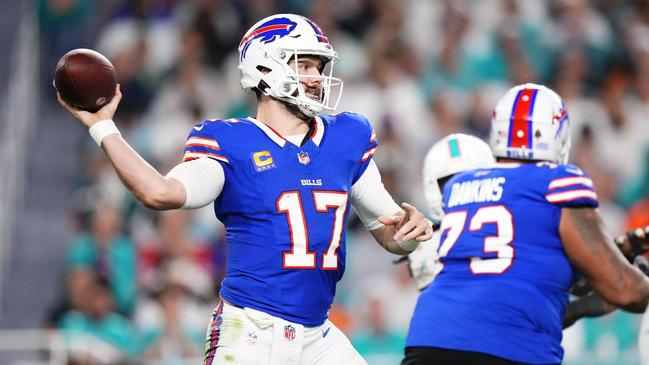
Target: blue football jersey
284,208
503,288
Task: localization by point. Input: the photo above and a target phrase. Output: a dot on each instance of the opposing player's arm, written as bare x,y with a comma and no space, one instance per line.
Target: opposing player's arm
591,305
398,230
601,263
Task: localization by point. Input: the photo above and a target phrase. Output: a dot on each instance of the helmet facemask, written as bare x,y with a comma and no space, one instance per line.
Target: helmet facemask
433,194
324,97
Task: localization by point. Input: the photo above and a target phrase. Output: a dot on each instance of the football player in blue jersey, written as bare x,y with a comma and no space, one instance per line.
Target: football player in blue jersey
514,239
461,152
282,183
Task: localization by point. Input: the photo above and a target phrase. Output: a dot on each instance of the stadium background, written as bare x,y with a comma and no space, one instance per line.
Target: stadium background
74,245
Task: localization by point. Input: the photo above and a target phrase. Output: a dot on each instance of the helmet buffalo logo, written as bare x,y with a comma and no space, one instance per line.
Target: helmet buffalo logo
268,32
560,118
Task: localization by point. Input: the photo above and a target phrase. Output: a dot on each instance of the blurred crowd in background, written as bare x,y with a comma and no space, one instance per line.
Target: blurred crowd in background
144,282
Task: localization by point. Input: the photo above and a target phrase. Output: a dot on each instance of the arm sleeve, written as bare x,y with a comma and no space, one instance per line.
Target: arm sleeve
203,180
370,199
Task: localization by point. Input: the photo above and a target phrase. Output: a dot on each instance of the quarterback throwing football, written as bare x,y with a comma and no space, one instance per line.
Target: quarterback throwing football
282,183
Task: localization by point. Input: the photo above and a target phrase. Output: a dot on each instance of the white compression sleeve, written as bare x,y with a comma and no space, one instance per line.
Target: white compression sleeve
203,180
370,199
643,339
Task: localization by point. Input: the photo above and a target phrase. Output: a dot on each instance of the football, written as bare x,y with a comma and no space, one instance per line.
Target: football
85,79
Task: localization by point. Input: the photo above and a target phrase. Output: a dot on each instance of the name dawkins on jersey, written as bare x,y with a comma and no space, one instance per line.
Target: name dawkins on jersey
476,191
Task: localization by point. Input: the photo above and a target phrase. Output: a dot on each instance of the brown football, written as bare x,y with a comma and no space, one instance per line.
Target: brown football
85,79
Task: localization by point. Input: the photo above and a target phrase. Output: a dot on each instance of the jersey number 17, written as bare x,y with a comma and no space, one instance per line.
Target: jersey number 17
300,257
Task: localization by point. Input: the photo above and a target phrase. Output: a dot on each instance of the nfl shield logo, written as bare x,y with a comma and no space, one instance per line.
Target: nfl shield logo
252,338
289,332
303,157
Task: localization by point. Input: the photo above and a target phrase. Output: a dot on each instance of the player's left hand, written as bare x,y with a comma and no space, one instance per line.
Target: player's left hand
410,224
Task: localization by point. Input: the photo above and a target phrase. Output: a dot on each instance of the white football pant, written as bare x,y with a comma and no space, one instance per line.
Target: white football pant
244,336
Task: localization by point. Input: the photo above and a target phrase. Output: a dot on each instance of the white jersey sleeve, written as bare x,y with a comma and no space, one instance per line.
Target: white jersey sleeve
370,199
202,178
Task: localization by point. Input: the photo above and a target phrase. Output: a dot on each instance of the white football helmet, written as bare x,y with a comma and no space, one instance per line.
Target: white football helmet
270,44
454,154
531,123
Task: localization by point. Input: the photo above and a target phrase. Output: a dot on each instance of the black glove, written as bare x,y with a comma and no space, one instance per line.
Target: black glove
581,288
591,305
642,263
634,243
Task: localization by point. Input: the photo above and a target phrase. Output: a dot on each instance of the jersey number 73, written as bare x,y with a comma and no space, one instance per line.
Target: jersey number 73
500,243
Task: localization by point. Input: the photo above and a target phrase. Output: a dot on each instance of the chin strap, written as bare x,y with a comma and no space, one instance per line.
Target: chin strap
310,132
263,87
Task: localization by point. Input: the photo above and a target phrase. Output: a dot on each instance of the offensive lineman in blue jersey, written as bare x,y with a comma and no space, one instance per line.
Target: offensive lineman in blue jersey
282,183
460,152
515,237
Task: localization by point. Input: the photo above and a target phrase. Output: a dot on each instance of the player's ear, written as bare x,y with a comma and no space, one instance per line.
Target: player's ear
263,69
